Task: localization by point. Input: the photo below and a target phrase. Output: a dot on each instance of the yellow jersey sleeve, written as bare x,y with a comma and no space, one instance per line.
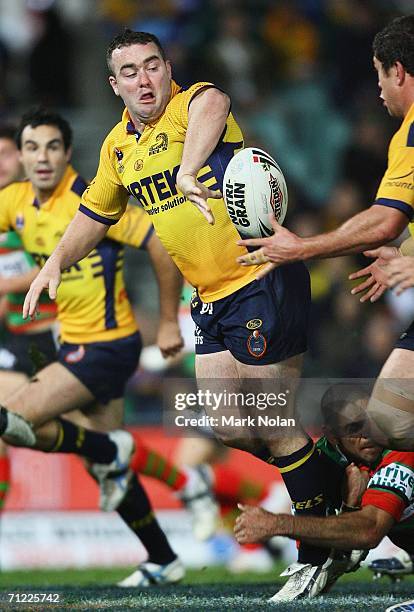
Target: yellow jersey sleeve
396,189
134,228
178,108
7,197
105,199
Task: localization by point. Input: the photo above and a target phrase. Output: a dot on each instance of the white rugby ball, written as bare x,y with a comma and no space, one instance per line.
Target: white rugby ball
253,187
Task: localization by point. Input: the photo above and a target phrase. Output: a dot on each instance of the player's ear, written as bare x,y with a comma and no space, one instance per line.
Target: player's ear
169,69
113,84
399,72
69,154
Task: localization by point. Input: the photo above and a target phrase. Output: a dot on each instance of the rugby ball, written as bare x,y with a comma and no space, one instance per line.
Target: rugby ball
253,187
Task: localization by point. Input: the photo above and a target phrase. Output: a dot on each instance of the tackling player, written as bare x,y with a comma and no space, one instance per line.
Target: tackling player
380,495
391,406
170,151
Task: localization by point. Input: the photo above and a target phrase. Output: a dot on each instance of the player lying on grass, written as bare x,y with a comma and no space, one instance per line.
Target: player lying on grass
379,499
100,340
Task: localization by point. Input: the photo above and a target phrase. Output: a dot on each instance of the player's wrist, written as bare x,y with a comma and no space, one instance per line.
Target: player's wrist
345,507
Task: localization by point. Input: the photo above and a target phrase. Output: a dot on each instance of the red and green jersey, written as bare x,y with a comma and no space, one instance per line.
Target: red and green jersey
391,483
14,261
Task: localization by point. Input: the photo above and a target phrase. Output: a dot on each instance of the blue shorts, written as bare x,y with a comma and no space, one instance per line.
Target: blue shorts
103,367
262,323
406,340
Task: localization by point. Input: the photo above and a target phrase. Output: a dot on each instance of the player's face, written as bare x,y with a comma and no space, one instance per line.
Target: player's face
143,80
354,440
44,157
10,166
389,92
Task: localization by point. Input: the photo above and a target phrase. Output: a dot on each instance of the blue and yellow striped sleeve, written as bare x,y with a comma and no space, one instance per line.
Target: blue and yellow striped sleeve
134,228
397,186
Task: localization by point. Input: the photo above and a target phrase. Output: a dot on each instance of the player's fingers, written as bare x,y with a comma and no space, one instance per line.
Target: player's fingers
252,242
214,193
362,286
380,291
372,253
204,208
242,507
403,285
254,258
53,285
265,270
368,295
360,273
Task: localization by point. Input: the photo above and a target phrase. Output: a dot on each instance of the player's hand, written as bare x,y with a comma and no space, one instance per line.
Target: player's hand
376,282
198,194
354,485
48,278
169,338
254,524
282,247
400,273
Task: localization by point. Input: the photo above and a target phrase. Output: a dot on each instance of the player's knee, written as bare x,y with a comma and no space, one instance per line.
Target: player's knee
391,411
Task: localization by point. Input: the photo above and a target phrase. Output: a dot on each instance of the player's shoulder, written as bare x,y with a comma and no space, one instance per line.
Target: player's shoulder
404,136
16,190
396,458
186,94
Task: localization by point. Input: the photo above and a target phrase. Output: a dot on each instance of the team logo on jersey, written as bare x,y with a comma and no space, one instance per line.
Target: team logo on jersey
254,323
75,356
119,157
162,144
139,164
19,222
256,344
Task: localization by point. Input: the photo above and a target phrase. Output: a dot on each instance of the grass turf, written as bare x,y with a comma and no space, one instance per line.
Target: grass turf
210,589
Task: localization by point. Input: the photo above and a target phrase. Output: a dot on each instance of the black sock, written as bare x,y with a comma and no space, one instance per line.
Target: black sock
90,444
137,513
304,476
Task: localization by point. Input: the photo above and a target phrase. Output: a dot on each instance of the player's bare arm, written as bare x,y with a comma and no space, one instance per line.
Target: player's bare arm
362,529
80,237
207,116
170,284
369,229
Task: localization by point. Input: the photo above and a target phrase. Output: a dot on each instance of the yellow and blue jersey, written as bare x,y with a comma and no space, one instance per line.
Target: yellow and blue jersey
396,189
92,302
146,166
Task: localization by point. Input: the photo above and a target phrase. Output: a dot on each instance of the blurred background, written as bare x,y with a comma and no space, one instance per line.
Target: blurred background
303,87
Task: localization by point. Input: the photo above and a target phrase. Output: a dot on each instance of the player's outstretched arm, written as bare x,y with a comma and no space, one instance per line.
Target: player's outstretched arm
207,116
362,529
374,275
369,229
170,284
80,237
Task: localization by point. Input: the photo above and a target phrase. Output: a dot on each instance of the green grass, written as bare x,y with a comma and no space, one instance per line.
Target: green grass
209,589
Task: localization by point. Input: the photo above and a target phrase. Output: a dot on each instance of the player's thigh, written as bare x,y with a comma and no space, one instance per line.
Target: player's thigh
99,417
391,406
51,393
10,382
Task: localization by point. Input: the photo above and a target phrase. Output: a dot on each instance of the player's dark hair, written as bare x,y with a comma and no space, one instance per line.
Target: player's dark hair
335,400
7,132
395,43
129,37
43,116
